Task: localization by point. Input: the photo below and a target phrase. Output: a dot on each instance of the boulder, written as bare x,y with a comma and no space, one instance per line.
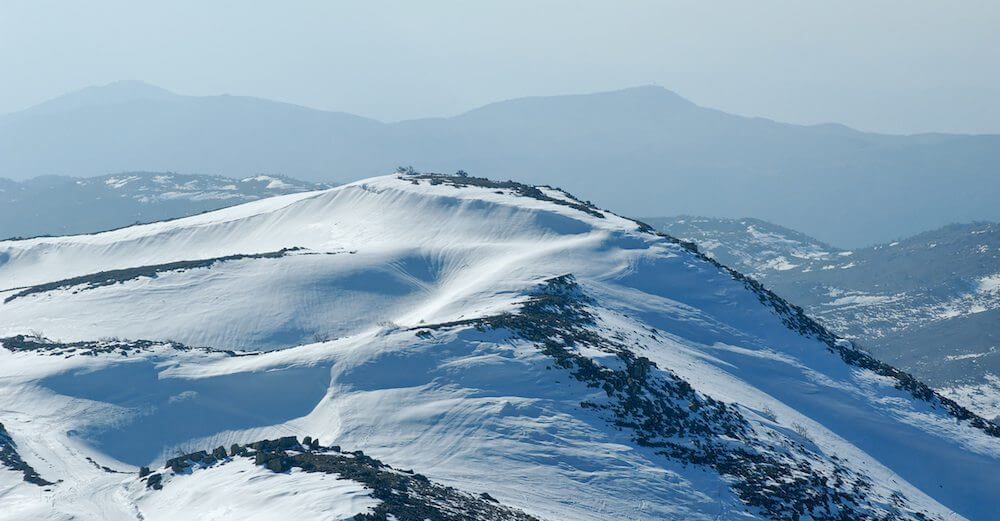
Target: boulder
261,457
198,456
219,453
288,442
178,464
155,481
277,463
283,443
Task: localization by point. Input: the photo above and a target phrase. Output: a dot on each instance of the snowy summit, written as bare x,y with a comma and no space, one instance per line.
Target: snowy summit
437,347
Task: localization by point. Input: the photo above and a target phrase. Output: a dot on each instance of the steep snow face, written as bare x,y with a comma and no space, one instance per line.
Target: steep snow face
929,304
498,338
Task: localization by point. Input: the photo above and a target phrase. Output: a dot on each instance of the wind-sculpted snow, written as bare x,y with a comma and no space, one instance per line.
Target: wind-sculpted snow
393,494
498,337
172,411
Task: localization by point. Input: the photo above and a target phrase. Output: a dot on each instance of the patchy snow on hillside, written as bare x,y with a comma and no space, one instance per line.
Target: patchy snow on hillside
780,263
120,182
863,300
989,284
984,397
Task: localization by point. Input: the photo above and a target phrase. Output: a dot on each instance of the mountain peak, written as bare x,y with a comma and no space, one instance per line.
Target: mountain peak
121,91
614,103
650,89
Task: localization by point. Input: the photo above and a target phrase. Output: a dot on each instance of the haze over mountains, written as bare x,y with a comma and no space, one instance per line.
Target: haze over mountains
637,150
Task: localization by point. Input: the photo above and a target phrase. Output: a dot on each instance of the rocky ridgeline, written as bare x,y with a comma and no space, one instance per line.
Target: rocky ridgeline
41,345
796,319
34,344
403,494
523,190
925,303
10,458
770,470
110,277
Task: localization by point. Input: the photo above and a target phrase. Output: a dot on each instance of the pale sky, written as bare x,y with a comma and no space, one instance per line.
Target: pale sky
889,66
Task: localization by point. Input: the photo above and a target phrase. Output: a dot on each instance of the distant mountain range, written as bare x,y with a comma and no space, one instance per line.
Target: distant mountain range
929,303
54,205
637,150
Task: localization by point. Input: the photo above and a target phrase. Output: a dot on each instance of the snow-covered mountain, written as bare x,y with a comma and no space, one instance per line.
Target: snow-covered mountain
67,205
929,304
526,354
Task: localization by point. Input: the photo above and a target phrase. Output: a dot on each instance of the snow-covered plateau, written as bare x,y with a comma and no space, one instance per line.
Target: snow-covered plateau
454,348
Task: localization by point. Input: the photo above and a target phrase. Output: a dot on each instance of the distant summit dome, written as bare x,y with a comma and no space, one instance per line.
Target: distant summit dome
121,91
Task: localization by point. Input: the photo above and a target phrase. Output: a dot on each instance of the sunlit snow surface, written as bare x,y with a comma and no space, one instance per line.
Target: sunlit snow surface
329,352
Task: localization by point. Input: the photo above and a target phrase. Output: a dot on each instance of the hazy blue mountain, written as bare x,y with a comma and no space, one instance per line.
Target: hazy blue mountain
89,133
53,205
637,150
111,94
929,303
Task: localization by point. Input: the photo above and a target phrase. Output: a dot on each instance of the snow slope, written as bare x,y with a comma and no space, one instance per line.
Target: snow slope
498,338
928,304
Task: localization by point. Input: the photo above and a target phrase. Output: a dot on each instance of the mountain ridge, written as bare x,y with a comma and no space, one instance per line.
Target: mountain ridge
632,147
496,336
926,302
